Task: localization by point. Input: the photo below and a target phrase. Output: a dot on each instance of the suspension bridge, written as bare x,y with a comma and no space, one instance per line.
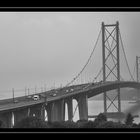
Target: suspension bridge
107,78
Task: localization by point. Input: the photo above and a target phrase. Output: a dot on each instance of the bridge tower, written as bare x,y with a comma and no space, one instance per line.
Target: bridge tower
138,68
138,73
110,49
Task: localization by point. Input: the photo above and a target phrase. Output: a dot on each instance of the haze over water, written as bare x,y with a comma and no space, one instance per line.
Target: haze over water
96,106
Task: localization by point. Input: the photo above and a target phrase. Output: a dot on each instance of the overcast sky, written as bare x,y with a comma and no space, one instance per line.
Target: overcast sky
47,47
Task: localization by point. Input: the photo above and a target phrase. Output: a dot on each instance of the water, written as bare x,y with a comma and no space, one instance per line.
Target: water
96,106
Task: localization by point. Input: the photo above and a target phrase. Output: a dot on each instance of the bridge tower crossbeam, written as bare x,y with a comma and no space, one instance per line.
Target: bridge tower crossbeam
110,49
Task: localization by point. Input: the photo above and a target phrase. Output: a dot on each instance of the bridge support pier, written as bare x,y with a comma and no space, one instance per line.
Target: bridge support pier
20,114
83,107
69,102
37,111
56,111
43,113
6,118
70,109
48,108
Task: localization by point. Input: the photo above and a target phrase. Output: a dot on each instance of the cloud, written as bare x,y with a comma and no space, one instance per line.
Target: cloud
8,18
66,19
38,22
49,21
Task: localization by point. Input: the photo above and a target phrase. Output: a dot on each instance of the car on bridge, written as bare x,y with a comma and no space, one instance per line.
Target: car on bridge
16,101
36,97
67,91
71,89
53,95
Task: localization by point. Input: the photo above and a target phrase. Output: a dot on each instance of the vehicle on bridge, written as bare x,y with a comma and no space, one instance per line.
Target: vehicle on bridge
36,97
53,95
67,91
16,101
71,89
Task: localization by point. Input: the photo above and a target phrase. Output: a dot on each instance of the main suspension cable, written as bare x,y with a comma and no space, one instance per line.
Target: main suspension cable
125,57
86,62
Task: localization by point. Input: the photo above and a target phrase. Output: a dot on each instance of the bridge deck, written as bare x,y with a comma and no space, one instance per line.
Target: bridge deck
61,93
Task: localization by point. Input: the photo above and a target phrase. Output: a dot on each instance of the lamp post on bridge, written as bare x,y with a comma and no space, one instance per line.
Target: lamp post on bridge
41,89
28,92
13,94
45,94
46,99
35,90
25,92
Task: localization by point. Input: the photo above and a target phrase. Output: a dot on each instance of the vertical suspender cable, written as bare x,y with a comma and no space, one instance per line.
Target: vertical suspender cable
86,62
125,57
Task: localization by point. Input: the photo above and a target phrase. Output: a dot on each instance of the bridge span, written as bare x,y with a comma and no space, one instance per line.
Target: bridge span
55,106
53,101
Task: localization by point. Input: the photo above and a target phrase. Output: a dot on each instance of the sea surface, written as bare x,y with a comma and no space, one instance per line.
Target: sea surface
96,106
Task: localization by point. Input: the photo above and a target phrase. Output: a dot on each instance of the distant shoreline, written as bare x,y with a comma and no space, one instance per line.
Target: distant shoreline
102,100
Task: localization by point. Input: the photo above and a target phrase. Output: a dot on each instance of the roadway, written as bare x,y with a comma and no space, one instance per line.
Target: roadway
89,89
24,101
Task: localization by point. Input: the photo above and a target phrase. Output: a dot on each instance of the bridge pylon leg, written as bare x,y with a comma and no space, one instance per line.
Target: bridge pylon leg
138,73
105,104
119,100
83,107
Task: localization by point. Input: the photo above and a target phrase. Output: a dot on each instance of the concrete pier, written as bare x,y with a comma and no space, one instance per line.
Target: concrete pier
20,114
58,111
48,108
83,107
70,108
6,118
36,111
